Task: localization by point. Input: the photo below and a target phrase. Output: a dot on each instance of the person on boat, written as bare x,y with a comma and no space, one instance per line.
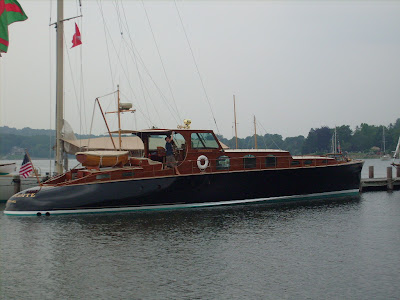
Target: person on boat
169,153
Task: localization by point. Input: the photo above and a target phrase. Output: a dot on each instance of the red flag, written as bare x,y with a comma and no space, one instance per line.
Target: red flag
76,39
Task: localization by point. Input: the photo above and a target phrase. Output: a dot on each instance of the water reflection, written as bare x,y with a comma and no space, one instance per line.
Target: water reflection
189,221
198,253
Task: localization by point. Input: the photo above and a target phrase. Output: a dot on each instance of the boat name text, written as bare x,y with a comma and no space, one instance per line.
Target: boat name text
25,195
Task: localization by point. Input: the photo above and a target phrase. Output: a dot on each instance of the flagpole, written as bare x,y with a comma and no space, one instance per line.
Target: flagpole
34,170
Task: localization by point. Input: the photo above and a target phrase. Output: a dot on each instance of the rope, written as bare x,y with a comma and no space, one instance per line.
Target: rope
136,58
91,125
112,93
146,117
105,37
82,88
78,103
155,84
271,137
162,63
119,59
197,68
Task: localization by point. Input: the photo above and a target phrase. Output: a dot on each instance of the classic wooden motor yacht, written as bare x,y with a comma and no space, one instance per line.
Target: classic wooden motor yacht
209,174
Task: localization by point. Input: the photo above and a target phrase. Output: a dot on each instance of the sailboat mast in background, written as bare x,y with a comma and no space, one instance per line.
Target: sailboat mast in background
255,132
234,110
60,88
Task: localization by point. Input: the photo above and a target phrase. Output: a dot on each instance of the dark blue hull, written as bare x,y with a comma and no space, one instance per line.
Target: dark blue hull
274,185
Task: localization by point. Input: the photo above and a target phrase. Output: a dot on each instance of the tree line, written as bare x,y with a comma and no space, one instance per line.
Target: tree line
39,142
364,138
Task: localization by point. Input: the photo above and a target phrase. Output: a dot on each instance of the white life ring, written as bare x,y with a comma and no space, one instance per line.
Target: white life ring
200,165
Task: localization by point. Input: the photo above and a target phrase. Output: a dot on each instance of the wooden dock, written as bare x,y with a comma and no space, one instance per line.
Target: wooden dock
380,184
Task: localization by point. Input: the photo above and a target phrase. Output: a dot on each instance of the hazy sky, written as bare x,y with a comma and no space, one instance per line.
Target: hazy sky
295,65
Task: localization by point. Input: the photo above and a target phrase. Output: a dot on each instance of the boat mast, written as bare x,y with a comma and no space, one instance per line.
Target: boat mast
384,142
234,110
59,87
119,120
335,145
255,132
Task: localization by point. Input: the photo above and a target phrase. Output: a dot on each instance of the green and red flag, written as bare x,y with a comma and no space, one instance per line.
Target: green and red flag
10,12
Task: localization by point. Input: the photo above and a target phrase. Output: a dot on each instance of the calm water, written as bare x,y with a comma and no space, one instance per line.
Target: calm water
348,249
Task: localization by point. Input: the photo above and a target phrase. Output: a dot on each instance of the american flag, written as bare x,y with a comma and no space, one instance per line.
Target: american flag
26,167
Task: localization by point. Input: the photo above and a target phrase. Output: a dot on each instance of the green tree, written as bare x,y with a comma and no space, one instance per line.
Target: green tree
318,140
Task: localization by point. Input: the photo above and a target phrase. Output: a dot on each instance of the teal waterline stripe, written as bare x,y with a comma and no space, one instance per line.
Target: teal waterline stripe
287,199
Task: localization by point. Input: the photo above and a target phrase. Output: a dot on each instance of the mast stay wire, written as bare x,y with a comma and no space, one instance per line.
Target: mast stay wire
137,58
91,124
78,103
105,28
162,62
197,68
271,136
133,50
81,87
105,36
135,62
148,120
113,93
121,29
147,117
106,31
119,59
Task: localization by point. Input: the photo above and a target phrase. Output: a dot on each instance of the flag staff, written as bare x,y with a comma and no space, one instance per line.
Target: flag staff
34,170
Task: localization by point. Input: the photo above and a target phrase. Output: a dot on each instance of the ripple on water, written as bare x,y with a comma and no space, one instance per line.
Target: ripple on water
341,249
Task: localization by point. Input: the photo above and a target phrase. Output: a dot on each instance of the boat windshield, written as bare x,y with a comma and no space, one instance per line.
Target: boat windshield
157,141
204,140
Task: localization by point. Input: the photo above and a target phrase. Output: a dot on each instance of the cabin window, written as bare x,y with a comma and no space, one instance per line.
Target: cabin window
325,161
308,162
249,161
223,162
270,161
157,146
128,174
204,140
103,176
295,163
158,141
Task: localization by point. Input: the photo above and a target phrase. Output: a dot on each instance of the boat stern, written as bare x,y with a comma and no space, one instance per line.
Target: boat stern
26,202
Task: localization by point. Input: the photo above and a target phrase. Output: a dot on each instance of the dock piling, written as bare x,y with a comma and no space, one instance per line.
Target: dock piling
389,177
17,183
371,172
